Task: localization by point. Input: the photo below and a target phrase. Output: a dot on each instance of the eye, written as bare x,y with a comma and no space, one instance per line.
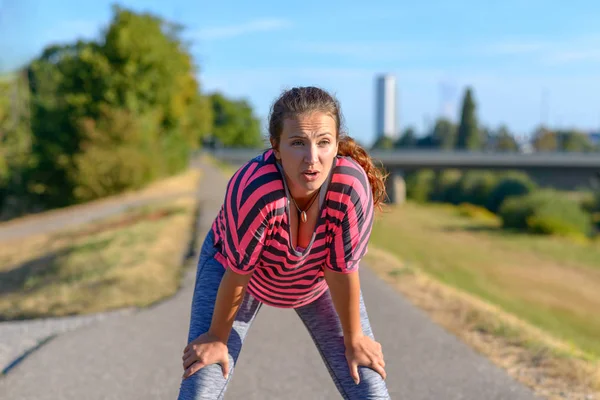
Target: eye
297,143
324,142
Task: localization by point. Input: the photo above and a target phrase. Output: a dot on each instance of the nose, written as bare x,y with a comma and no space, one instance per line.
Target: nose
311,156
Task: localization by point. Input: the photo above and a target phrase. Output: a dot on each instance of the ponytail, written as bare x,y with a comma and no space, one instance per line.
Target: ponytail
348,147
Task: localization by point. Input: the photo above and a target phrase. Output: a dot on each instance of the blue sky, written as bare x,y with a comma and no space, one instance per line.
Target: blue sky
527,60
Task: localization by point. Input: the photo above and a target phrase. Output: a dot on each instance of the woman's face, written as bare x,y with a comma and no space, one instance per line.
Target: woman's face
307,148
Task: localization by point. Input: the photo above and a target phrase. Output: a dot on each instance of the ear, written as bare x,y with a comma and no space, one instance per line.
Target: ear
275,150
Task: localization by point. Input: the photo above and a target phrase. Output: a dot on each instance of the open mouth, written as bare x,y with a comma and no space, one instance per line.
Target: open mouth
311,175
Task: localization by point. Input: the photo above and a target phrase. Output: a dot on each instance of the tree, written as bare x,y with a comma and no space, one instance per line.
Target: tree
468,137
234,123
15,143
383,143
407,140
575,141
545,140
121,77
504,140
444,133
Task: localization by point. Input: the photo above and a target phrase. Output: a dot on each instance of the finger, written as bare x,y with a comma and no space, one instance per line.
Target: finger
192,369
225,367
379,369
354,372
187,354
189,361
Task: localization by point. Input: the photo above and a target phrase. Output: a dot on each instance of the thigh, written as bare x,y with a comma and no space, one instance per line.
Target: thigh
323,324
208,382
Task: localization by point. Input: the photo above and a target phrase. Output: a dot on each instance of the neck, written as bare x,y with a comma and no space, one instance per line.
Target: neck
305,202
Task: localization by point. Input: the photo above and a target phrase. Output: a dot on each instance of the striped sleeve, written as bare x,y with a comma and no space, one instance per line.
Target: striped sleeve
355,218
244,219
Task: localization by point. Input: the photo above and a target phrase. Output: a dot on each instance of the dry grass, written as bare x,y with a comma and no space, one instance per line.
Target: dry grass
508,301
129,260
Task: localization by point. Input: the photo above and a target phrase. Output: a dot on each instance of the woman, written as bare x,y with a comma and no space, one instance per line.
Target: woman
291,232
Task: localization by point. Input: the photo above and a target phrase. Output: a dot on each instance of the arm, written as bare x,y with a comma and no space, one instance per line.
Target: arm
345,293
211,347
229,297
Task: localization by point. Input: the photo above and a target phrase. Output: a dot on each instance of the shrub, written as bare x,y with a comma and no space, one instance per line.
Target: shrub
419,185
473,187
476,212
444,184
511,184
545,212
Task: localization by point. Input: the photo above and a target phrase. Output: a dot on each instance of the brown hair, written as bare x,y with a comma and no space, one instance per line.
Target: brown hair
306,100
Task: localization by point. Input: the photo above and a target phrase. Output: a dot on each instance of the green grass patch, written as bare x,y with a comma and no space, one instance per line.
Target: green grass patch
550,282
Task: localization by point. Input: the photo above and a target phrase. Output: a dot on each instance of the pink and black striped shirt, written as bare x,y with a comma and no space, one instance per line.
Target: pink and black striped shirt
252,230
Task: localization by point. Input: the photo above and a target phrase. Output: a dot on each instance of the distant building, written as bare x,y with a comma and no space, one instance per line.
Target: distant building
385,107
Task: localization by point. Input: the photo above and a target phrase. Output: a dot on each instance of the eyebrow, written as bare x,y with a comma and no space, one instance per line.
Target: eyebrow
298,136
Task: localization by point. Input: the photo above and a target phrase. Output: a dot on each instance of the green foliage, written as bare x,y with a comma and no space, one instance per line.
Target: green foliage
112,115
234,123
419,185
15,143
511,184
406,141
476,212
121,151
445,184
545,140
545,212
383,143
473,187
444,134
504,141
575,141
468,135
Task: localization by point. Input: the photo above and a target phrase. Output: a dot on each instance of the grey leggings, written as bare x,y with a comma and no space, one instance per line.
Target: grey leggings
319,317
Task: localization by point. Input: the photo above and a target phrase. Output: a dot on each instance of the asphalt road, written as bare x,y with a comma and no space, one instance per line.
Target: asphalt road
139,356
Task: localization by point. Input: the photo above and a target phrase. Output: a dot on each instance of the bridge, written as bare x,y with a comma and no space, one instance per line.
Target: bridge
565,170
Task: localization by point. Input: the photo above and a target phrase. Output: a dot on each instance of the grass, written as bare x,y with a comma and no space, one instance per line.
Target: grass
128,260
540,284
551,282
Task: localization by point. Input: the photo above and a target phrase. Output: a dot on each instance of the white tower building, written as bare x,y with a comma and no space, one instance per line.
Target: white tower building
385,111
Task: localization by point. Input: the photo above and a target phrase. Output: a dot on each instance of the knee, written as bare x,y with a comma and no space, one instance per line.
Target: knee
207,383
371,386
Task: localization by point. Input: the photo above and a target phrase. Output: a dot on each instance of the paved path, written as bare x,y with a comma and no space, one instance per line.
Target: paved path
139,356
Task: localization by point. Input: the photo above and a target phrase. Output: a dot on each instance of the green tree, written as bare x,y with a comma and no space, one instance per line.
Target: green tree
444,134
234,123
153,80
504,140
468,136
575,141
383,143
407,140
15,143
545,140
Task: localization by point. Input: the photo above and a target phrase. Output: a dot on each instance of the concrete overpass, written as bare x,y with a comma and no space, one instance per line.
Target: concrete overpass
566,171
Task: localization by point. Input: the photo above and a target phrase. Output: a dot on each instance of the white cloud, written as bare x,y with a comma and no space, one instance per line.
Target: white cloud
229,31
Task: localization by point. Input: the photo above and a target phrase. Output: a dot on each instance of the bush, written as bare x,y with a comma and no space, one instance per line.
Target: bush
511,184
545,212
473,187
419,185
476,212
445,183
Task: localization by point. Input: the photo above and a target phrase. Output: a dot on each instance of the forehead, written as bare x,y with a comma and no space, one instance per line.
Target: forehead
313,123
